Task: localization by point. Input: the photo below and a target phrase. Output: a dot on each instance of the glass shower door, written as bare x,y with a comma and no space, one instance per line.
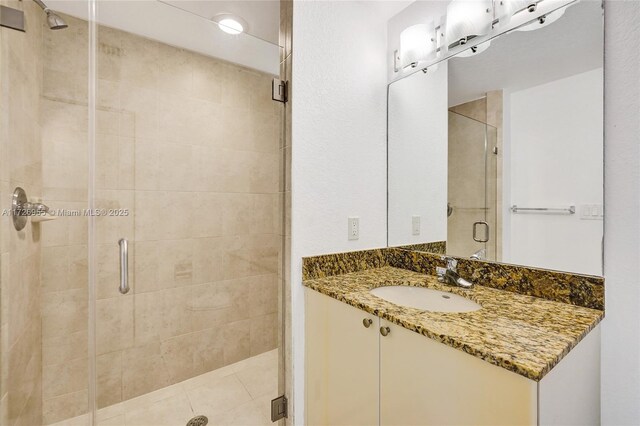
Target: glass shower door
492,198
187,171
471,223
171,153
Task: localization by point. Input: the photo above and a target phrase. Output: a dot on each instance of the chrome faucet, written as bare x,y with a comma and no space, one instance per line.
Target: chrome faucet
449,275
479,255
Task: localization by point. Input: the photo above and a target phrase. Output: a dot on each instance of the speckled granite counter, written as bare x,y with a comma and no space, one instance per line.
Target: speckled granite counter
524,334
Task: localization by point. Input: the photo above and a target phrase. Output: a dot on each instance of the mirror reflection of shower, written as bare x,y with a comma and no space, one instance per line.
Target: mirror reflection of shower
54,20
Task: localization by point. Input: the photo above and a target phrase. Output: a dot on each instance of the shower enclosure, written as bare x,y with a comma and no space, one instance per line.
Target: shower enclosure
472,188
151,291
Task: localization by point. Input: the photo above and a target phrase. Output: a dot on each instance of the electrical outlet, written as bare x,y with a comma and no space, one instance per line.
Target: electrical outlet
591,212
354,228
415,225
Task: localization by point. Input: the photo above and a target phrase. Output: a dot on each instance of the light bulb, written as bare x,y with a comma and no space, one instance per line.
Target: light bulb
230,26
467,19
417,43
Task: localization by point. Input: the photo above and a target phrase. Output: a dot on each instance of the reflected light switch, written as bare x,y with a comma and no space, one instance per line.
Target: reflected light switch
591,212
415,225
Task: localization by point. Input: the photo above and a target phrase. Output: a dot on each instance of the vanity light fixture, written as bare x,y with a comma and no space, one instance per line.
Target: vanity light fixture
468,19
417,44
230,24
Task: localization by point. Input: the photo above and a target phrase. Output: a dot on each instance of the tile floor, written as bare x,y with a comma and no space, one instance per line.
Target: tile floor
239,394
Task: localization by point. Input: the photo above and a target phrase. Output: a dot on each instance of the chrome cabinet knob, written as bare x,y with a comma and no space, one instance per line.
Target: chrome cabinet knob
385,331
367,322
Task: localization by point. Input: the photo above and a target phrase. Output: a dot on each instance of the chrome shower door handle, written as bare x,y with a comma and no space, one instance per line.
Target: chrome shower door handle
124,266
475,232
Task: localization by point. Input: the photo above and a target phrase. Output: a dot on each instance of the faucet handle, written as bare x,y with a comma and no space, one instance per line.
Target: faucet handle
452,263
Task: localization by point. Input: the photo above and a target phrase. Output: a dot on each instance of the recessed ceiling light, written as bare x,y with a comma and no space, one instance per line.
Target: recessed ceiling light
230,24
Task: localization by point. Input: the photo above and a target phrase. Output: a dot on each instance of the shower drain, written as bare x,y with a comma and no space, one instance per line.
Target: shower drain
198,421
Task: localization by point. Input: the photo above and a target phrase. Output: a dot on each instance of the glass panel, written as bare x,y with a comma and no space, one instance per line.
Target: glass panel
44,311
187,170
467,200
418,151
176,144
492,198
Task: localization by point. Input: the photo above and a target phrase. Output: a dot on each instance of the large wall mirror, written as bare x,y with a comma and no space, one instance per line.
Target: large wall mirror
496,152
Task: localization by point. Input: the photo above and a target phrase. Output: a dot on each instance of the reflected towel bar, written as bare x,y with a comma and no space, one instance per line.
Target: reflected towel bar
546,210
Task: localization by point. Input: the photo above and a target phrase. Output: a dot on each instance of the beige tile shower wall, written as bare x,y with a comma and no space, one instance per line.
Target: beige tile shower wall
20,165
190,146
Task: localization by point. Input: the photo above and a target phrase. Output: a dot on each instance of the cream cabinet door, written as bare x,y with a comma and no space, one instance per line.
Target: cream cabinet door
341,373
424,382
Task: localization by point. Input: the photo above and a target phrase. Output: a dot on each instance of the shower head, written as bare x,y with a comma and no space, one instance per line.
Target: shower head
54,20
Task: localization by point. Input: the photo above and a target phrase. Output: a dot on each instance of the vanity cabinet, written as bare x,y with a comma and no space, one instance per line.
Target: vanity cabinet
342,345
355,375
424,382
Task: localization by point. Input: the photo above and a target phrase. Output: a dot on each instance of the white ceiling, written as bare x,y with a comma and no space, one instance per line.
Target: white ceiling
518,60
390,8
189,26
262,16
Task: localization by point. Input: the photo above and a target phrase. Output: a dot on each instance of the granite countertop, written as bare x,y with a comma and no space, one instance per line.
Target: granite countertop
523,334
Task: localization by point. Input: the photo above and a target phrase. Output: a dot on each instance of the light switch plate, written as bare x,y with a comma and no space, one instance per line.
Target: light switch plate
415,225
591,212
354,228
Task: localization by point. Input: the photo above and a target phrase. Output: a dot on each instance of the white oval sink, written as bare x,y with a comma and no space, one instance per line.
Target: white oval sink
425,299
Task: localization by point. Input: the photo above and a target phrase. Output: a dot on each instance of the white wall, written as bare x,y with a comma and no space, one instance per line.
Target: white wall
555,146
621,327
418,145
338,141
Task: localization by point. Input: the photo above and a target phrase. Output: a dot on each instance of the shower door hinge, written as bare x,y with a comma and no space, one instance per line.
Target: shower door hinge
279,90
279,407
